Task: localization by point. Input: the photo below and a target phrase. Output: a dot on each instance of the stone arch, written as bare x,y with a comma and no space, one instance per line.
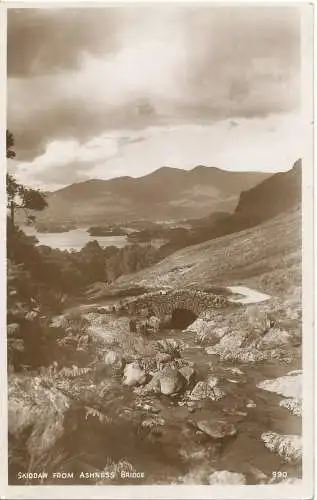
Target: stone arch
188,304
181,318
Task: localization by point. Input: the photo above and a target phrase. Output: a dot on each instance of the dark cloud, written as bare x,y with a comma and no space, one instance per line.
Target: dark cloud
70,173
70,119
235,50
210,63
42,41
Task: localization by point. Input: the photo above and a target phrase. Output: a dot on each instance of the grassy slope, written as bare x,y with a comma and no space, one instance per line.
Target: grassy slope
267,257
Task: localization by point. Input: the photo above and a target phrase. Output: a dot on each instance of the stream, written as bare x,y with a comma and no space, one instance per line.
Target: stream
174,448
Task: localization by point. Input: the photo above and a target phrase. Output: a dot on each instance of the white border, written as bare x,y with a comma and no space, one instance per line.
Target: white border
256,492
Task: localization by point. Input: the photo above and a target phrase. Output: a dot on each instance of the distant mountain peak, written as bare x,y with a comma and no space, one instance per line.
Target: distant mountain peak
167,193
166,168
200,167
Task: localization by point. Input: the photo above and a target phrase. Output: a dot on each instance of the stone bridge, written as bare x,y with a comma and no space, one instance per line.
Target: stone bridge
163,304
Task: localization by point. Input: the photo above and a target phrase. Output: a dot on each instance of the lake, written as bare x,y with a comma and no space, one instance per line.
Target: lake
75,239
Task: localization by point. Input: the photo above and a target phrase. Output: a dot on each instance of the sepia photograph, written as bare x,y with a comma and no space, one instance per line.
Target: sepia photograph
155,189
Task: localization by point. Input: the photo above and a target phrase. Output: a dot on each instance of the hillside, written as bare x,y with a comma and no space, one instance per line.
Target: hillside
167,193
269,198
267,256
272,196
80,396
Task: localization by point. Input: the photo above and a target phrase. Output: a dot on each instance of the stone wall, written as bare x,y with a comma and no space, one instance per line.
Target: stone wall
162,305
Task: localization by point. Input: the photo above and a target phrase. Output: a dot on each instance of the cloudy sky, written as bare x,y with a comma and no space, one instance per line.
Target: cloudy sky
106,92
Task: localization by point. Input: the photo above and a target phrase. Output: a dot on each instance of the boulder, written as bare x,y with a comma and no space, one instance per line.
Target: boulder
205,330
134,375
201,327
288,447
289,386
202,390
293,405
232,340
225,477
216,429
275,338
171,381
189,373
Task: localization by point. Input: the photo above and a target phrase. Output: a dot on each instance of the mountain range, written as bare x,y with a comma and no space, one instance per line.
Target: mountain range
271,197
258,245
165,194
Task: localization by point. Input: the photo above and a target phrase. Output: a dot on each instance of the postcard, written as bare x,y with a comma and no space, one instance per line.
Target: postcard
158,250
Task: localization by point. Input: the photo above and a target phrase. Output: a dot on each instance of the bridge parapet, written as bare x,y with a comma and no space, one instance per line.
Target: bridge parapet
163,304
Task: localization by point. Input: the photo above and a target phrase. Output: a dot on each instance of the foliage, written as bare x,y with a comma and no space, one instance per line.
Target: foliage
71,272
10,153
19,196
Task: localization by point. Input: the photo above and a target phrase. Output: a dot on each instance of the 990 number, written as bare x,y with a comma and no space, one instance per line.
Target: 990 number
279,474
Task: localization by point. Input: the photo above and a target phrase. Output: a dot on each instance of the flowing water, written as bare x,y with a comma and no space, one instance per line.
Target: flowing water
166,454
173,448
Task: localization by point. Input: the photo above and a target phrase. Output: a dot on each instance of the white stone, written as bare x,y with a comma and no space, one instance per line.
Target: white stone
232,340
288,447
134,375
217,429
226,477
294,406
171,381
251,404
289,386
203,390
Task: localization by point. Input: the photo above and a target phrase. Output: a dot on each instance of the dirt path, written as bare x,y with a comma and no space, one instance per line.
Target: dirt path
250,296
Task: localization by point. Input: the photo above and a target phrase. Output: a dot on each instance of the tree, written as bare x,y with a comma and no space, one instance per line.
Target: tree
19,196
92,262
10,144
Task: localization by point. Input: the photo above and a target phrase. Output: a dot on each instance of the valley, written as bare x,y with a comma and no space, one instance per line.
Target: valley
159,316
165,194
186,370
